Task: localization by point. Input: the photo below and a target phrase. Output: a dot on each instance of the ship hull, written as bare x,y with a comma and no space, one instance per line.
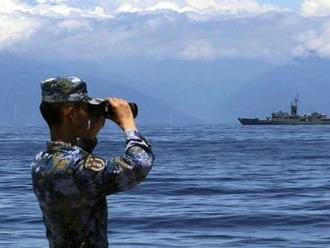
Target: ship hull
256,121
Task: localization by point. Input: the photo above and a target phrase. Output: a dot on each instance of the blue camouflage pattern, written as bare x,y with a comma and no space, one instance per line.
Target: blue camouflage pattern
64,89
71,185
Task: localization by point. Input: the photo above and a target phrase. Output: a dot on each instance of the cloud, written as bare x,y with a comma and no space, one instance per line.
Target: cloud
20,21
315,42
182,29
15,26
204,49
51,1
209,7
269,37
315,8
51,9
15,29
11,6
62,10
73,25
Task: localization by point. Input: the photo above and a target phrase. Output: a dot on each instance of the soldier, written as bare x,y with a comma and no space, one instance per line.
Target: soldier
70,182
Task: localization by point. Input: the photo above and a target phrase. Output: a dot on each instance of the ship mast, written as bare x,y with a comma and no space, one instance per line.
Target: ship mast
294,106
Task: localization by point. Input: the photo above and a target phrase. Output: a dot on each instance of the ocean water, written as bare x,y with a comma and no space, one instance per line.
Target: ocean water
211,186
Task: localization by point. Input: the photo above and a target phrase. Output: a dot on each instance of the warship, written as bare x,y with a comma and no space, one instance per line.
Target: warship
293,118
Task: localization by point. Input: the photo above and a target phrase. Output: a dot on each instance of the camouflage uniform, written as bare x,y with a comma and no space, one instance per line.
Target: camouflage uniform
71,183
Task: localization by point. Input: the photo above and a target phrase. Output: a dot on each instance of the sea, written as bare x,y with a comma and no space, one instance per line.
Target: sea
220,185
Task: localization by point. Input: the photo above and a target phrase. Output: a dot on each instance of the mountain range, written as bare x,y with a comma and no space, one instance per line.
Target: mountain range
20,91
188,92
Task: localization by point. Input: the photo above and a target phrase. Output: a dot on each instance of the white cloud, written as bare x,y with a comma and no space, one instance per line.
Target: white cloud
14,29
315,8
19,21
210,7
11,6
51,1
167,35
73,24
98,12
128,8
62,10
52,9
240,29
167,5
204,49
315,42
58,10
198,49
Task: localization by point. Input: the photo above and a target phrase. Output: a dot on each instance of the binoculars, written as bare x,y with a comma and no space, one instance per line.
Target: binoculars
105,109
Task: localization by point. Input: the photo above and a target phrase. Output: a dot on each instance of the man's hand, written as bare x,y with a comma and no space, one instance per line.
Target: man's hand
122,114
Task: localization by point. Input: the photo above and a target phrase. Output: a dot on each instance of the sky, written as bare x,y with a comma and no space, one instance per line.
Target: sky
291,4
276,31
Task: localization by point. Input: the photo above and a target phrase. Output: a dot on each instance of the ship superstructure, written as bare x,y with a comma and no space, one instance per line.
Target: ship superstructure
292,118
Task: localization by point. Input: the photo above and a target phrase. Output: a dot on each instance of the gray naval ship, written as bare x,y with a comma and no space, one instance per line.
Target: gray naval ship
293,118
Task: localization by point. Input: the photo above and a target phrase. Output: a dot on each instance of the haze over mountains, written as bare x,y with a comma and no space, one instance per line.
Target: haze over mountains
185,90
20,91
191,92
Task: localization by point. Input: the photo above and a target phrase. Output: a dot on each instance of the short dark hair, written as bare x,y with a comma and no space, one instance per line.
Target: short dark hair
52,112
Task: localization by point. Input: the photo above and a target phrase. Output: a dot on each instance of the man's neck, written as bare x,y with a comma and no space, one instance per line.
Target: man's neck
62,133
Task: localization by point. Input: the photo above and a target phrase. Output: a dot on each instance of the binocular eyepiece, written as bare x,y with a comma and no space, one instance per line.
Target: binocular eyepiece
105,109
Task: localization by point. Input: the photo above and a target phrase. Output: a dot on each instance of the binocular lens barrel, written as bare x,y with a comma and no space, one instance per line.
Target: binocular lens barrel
109,111
106,110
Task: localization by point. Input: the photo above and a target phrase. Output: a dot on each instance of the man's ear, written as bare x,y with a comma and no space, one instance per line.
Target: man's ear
69,113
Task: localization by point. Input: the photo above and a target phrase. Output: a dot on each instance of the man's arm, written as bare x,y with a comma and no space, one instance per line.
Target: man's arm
103,177
119,173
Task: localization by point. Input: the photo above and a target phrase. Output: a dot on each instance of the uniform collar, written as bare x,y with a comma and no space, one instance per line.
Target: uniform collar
58,145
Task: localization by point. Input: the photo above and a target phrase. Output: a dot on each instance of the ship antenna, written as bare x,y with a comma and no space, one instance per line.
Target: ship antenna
297,101
294,106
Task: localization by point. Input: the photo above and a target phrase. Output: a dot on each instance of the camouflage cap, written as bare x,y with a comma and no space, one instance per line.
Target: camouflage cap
65,89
